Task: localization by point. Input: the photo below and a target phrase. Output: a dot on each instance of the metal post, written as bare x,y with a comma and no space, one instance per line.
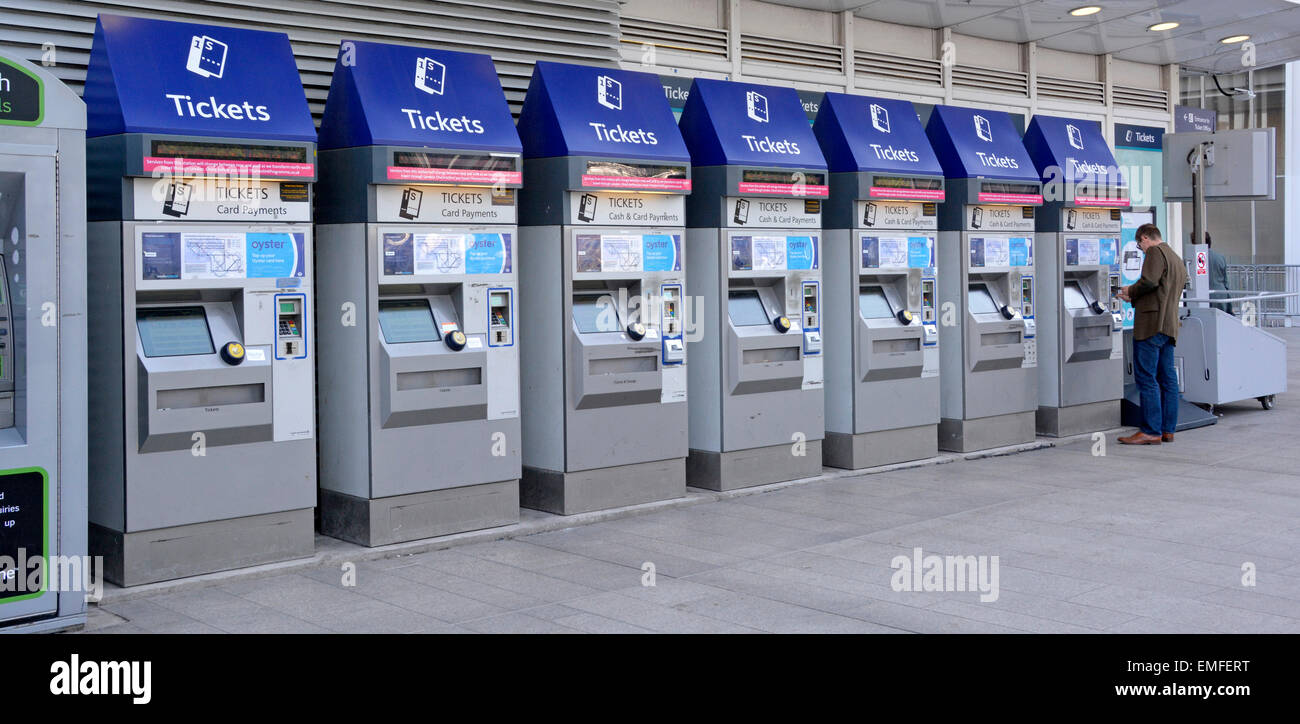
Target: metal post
1197,162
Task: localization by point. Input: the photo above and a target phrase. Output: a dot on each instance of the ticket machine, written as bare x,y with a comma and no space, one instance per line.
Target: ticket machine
880,284
987,331
419,395
42,348
202,155
603,311
1080,320
753,255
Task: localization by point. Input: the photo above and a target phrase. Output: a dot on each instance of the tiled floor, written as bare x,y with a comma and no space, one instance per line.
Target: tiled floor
1147,539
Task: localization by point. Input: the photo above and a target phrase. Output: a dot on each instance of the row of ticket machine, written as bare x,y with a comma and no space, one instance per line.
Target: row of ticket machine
414,320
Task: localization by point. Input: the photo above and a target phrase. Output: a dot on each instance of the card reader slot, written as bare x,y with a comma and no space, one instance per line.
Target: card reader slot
190,397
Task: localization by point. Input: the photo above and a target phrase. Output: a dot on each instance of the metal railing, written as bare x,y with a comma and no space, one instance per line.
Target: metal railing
1266,278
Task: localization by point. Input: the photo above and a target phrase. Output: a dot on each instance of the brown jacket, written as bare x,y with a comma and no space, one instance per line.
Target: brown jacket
1155,295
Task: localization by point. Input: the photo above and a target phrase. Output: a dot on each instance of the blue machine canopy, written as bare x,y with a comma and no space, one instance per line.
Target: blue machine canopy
874,135
743,124
158,76
399,95
1075,152
578,110
979,143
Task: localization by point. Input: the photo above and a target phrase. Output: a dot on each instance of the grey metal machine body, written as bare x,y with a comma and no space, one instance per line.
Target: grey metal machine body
880,287
987,328
757,412
42,350
419,380
1080,321
202,384
604,401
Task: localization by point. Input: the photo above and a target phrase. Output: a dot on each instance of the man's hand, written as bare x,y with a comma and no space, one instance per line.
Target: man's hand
1124,295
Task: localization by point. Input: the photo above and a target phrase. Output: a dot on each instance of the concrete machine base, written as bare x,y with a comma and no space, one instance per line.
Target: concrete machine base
756,466
986,432
131,559
1078,419
884,447
401,518
602,488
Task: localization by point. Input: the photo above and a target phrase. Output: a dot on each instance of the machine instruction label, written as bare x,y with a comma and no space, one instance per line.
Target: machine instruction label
221,255
442,204
1001,251
999,218
1089,251
445,252
905,215
220,199
24,498
1090,220
607,208
22,97
774,252
897,252
769,212
627,253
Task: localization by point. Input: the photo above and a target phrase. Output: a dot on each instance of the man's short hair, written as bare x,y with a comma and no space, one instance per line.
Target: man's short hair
1150,231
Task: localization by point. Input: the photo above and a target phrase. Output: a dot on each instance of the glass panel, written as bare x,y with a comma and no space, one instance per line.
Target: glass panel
979,300
174,332
873,304
595,313
407,320
1074,298
747,309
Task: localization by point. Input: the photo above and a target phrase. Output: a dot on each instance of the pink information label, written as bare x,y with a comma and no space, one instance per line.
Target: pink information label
636,182
453,175
784,189
225,167
992,198
917,194
1099,201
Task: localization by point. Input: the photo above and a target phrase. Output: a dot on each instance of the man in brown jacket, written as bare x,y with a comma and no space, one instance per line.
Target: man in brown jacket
1155,297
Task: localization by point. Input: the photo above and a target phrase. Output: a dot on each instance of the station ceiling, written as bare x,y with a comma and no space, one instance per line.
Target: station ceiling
1120,28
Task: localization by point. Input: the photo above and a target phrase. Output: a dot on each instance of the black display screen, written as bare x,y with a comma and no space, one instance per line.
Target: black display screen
174,331
229,151
902,182
634,170
789,178
1007,187
462,161
407,320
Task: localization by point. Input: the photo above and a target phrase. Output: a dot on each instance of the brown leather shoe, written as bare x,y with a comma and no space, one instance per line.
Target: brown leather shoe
1140,438
1167,437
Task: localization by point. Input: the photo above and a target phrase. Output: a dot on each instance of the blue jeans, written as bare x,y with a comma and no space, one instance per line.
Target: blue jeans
1157,381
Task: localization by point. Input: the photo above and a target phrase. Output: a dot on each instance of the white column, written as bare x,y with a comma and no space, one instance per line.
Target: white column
1291,225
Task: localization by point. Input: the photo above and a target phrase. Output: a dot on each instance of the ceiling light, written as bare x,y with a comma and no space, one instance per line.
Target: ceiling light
1085,11
1163,26
1234,39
